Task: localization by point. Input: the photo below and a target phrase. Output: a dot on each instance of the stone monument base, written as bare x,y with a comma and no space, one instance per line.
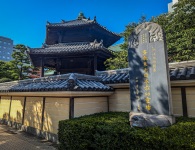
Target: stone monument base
149,120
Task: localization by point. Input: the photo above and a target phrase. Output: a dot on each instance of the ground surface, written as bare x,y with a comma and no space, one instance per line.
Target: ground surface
11,139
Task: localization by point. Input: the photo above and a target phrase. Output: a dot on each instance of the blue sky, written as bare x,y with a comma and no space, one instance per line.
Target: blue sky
24,21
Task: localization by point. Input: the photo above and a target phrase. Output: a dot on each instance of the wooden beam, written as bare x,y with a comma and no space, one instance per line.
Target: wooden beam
184,101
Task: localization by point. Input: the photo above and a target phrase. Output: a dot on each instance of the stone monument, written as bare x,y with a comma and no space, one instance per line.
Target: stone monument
149,77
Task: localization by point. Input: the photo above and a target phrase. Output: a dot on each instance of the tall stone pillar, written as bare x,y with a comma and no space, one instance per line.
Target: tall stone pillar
149,77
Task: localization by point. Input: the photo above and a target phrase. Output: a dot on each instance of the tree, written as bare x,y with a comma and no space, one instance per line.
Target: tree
179,27
4,74
120,58
7,71
21,63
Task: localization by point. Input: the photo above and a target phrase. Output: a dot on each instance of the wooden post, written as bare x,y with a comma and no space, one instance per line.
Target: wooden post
43,110
71,108
108,104
95,63
184,102
10,105
24,107
42,66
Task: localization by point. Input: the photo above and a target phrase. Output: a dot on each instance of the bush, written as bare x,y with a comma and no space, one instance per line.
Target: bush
112,131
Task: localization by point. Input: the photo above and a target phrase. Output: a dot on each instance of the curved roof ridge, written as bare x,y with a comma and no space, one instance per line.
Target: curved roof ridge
71,23
77,22
110,72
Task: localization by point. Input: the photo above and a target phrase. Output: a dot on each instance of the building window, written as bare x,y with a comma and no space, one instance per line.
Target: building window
8,57
3,56
4,42
9,43
0,41
0,46
4,47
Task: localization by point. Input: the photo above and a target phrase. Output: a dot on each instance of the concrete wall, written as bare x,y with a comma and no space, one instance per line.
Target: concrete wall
44,113
56,109
190,97
5,107
90,105
33,112
177,101
16,112
120,100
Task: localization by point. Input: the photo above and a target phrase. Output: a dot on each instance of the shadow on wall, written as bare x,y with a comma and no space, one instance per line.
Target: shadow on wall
6,116
33,113
17,118
47,124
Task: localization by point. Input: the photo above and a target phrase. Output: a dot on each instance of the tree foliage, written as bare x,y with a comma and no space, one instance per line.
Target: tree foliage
179,27
18,68
21,62
120,59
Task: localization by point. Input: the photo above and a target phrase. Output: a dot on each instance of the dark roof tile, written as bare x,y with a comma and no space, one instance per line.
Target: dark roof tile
67,82
80,22
122,75
70,48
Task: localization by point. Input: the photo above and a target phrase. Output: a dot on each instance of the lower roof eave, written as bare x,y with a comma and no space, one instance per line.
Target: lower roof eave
119,85
59,94
175,83
183,83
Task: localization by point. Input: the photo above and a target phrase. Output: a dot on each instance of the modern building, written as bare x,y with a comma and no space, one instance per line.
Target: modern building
6,48
170,9
79,46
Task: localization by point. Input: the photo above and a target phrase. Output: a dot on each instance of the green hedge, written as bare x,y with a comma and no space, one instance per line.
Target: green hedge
112,131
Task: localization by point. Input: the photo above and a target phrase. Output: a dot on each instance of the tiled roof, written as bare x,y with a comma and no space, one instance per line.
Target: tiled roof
66,82
79,22
122,75
114,76
70,48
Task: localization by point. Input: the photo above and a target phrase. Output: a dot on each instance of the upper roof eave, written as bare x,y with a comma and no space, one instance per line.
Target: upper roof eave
83,22
69,48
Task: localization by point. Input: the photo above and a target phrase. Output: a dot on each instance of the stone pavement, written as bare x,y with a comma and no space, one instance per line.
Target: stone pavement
11,139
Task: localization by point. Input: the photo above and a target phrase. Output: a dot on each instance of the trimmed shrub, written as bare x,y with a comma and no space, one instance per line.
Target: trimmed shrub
112,131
